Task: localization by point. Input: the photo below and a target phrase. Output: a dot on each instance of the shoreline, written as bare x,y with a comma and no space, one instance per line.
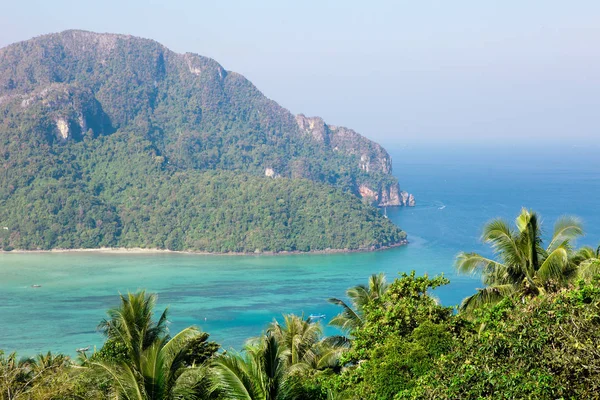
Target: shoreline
143,251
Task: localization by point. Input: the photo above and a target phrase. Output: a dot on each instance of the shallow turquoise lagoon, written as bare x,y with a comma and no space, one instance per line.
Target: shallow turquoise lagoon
233,297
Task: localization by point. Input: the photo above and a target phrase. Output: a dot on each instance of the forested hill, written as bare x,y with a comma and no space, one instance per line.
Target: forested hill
195,113
112,140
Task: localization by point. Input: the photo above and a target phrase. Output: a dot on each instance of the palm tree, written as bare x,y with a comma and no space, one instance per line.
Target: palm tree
161,372
258,374
304,345
155,365
523,265
351,317
264,369
588,261
14,376
132,325
44,376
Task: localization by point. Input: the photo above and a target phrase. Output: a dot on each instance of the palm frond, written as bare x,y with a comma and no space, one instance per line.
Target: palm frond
348,319
124,379
272,367
470,263
566,229
554,265
377,285
178,343
197,383
359,295
235,380
487,296
338,341
582,254
589,269
329,357
502,239
152,369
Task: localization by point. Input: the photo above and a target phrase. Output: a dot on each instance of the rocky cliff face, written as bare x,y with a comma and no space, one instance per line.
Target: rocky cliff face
64,111
387,196
370,157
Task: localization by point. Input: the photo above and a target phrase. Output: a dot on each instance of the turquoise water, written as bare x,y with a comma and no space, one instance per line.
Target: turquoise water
233,297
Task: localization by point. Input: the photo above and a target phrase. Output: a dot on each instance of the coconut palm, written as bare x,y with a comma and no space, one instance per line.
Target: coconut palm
155,365
304,345
131,324
523,264
161,372
588,261
351,316
14,376
41,377
264,369
257,374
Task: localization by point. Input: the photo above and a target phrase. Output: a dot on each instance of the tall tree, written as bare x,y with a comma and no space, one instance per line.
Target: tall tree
351,316
131,324
522,265
304,346
161,373
588,262
155,366
258,374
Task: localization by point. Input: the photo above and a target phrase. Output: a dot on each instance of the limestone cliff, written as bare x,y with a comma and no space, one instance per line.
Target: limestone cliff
64,111
387,196
371,158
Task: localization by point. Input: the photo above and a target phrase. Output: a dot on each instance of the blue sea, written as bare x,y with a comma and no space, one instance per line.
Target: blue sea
234,297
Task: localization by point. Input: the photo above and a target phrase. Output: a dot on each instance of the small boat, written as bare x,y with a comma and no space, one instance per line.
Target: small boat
83,349
316,316
36,286
442,207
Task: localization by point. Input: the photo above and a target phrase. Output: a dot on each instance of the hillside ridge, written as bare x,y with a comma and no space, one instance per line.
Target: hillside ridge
115,141
89,51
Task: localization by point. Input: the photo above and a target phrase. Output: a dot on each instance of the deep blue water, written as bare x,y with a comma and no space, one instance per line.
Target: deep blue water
233,297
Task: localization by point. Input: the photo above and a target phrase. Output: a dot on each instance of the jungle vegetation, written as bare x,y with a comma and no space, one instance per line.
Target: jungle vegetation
115,141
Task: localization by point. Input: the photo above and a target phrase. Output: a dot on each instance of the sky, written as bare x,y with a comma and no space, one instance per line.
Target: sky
399,72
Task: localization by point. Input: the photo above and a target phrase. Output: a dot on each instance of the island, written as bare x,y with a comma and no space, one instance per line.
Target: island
113,141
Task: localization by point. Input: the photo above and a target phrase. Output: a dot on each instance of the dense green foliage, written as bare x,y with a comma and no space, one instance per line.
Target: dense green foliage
546,348
109,140
115,191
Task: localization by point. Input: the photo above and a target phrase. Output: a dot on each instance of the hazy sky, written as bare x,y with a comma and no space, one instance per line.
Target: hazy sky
414,71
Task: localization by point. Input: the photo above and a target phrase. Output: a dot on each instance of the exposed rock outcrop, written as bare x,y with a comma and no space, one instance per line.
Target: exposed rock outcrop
368,193
387,196
370,157
407,199
269,172
72,110
63,128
